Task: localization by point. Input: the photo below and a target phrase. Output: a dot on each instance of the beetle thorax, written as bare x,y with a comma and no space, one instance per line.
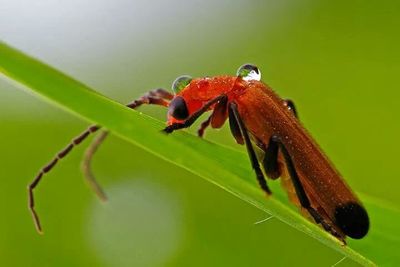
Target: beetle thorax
206,88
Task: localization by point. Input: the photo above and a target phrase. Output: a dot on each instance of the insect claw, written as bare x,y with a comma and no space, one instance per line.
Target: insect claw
167,130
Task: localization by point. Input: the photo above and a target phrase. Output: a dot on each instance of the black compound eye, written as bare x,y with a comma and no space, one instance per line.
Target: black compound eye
249,72
178,109
180,83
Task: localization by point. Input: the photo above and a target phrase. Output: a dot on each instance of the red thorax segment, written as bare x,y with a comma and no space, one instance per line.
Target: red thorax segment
202,90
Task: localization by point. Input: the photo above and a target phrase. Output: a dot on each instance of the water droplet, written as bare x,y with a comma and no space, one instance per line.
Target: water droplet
249,72
180,83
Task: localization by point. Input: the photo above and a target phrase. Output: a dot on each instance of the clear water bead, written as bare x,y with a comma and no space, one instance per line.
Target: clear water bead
180,83
249,72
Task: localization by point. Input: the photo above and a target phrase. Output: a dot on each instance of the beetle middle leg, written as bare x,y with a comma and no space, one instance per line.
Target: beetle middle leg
242,131
270,161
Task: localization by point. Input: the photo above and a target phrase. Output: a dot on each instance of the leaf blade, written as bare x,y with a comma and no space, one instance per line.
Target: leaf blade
227,168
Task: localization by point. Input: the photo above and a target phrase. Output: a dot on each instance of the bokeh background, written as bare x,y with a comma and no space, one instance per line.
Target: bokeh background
338,60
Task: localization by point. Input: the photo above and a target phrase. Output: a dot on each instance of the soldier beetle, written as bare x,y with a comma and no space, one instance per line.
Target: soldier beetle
257,118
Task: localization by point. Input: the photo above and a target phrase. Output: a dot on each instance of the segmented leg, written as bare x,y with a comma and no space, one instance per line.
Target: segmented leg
154,97
217,117
270,160
157,97
220,113
250,149
234,126
192,118
203,126
301,194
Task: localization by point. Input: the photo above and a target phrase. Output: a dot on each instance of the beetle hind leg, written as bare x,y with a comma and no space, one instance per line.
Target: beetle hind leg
301,194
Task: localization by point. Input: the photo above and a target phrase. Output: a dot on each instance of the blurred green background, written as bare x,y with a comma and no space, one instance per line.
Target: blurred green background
338,61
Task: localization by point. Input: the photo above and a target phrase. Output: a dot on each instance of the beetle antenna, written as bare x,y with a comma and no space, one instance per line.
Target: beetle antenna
86,169
76,141
155,97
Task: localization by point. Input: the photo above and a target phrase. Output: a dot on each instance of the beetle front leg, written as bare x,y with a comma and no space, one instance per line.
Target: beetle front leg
203,127
192,118
217,118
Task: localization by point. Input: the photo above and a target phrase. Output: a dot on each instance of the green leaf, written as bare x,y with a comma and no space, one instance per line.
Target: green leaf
225,167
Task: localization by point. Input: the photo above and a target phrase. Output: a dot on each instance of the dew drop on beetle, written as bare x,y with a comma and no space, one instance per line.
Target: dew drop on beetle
249,72
180,83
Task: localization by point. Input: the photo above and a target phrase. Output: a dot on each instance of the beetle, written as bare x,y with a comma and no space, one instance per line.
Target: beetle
262,121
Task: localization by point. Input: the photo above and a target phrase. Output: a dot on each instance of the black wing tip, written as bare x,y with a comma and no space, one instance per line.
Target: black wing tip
352,219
